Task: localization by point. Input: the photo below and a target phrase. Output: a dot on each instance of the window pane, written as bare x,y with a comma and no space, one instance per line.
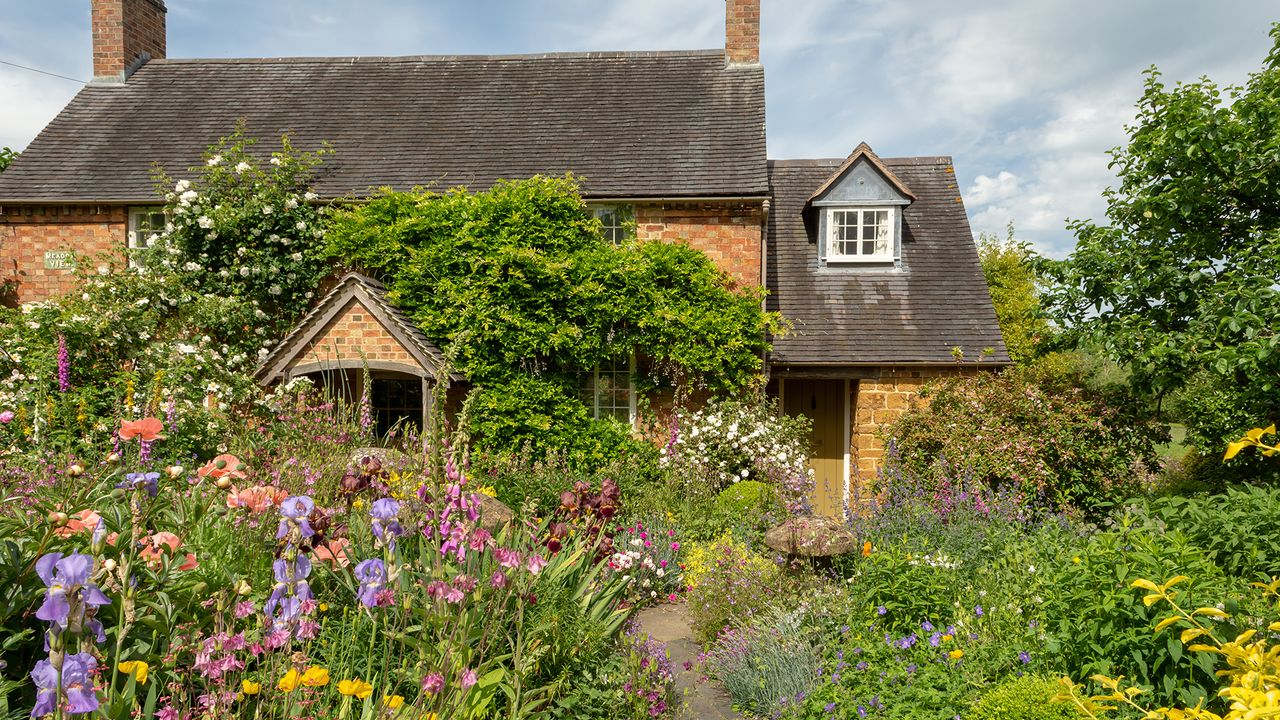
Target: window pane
868,232
868,247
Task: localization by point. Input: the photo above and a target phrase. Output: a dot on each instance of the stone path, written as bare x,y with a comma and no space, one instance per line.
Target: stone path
702,701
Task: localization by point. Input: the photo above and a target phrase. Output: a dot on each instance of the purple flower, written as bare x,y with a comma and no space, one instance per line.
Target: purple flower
64,365
141,481
77,683
882,610
829,707
290,591
385,525
977,610
46,682
861,666
926,626
935,639
71,598
372,575
1025,657
294,511
862,712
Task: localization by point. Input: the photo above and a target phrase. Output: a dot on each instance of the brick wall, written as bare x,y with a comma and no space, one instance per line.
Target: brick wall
352,331
742,31
28,232
880,401
122,31
729,233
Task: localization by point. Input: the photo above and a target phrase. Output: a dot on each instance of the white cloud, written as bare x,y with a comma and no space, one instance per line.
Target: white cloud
986,190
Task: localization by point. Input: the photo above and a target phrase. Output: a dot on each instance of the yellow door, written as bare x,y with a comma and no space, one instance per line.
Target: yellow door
824,403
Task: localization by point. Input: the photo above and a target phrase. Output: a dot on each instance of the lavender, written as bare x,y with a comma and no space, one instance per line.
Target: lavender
64,365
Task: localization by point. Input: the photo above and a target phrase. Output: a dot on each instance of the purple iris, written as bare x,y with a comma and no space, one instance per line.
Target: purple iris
141,481
77,683
295,511
385,525
372,575
71,598
46,681
290,591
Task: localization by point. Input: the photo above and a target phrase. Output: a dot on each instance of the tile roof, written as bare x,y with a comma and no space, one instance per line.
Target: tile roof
937,301
632,124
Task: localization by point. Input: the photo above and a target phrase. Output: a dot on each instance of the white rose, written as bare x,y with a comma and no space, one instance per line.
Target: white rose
242,166
215,160
205,222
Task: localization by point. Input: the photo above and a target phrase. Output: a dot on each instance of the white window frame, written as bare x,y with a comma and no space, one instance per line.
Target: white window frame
834,240
136,239
592,392
617,220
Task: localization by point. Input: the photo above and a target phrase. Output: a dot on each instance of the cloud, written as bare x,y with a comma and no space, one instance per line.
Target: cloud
986,190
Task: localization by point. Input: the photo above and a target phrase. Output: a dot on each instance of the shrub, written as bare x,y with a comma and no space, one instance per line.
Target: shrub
729,584
767,664
1237,529
647,557
729,441
1029,697
1047,436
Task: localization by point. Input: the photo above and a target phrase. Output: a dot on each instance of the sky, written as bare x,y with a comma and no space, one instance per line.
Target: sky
1027,96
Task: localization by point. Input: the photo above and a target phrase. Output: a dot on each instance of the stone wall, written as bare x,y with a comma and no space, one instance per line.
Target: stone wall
28,233
881,400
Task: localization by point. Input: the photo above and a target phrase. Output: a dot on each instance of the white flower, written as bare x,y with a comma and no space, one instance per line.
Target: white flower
187,197
275,161
242,166
310,196
291,203
275,290
182,186
244,271
297,257
205,222
215,160
267,209
301,225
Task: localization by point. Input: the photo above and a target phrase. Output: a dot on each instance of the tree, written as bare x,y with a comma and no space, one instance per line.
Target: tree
1007,265
7,156
1182,277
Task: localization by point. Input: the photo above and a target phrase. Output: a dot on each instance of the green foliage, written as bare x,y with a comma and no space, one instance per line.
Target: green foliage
768,659
730,584
1236,529
1097,625
7,156
751,503
1007,265
519,286
1029,697
1044,434
1181,277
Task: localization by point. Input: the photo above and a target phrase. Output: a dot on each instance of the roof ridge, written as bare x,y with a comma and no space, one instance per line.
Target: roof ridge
567,55
903,160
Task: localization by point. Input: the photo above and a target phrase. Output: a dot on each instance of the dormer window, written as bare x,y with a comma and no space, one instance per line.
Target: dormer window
860,234
859,211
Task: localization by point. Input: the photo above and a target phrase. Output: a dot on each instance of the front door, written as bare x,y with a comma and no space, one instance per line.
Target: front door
824,402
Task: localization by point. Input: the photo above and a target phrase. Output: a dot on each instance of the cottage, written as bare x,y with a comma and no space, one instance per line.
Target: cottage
871,259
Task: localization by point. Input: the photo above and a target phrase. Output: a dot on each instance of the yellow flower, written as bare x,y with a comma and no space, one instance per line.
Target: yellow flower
947,637
249,687
488,490
290,681
355,688
137,668
1076,559
324,607
315,677
956,654
393,702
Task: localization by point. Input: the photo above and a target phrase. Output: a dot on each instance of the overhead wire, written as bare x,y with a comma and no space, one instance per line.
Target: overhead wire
42,72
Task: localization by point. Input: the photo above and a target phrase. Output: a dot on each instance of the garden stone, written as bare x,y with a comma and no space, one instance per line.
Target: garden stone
388,457
494,514
811,536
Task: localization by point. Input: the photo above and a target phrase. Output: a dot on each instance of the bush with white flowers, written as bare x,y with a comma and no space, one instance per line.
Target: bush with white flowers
728,441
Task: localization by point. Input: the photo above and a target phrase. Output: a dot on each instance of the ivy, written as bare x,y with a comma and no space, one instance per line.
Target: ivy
518,283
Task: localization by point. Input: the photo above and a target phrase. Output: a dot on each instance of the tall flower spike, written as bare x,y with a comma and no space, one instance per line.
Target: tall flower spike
64,365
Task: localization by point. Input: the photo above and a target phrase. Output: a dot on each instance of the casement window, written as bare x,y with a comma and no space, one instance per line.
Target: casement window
145,224
609,391
861,234
618,221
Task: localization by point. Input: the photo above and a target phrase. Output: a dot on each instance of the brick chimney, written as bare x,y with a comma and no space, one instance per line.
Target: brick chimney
742,32
126,34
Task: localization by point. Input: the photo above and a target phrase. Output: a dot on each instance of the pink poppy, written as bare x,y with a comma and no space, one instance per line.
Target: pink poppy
333,553
147,429
224,465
